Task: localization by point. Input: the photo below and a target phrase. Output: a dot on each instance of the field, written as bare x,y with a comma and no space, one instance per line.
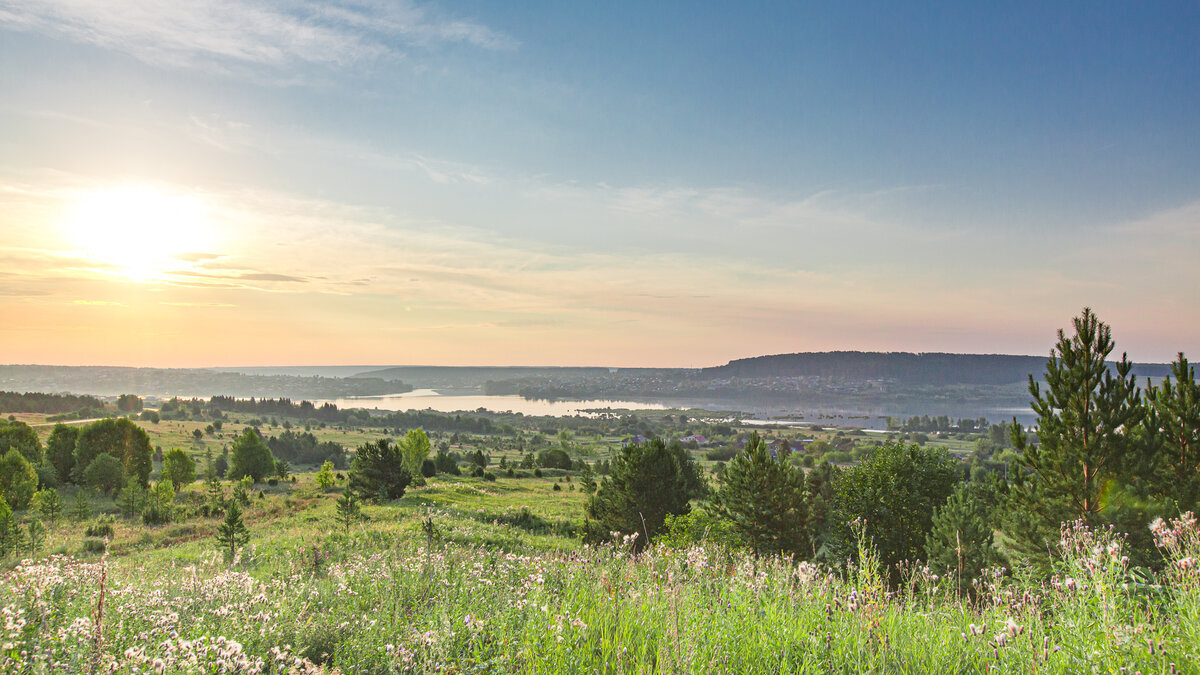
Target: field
467,575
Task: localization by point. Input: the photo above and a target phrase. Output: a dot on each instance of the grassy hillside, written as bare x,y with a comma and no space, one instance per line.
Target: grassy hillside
467,575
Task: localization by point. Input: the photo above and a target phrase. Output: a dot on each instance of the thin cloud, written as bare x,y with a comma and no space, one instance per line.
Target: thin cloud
226,34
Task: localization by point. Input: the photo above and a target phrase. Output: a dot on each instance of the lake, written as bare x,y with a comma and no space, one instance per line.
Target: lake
429,399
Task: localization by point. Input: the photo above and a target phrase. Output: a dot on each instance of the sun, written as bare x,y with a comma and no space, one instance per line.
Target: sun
138,231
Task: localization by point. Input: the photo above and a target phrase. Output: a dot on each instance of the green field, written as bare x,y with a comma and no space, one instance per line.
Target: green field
466,575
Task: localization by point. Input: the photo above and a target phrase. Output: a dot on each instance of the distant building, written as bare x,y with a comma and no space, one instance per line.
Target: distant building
634,440
700,440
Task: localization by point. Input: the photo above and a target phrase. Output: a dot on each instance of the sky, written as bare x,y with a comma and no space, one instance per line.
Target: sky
238,182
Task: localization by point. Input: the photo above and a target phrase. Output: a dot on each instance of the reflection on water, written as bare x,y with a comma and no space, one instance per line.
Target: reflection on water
871,417
428,399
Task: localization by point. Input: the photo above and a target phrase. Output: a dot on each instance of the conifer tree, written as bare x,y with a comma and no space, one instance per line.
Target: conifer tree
379,471
587,479
1085,415
348,510
232,534
251,457
961,538
81,508
648,482
765,501
1174,423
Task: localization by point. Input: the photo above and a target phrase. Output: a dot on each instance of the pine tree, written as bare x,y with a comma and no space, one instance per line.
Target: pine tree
251,457
765,501
648,482
1084,416
1174,424
132,499
587,479
348,510
81,509
379,471
961,539
232,533
49,504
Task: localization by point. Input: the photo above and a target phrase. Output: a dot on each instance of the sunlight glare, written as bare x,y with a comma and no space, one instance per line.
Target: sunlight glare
139,231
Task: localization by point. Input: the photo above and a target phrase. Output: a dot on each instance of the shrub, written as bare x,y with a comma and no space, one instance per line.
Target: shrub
325,479
720,454
94,546
101,527
554,458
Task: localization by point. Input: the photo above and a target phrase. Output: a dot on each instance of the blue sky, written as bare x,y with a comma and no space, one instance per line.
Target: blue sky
560,183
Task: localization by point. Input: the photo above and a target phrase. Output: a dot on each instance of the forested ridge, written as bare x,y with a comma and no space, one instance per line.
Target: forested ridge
905,367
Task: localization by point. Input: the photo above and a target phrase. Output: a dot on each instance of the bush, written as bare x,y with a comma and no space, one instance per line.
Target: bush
696,528
721,454
489,476
325,479
94,546
156,514
102,527
47,475
554,458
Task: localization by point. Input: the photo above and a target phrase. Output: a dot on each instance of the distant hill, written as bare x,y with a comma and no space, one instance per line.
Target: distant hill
186,382
901,367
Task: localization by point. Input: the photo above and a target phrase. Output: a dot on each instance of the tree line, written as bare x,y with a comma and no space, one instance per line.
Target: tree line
37,402
1103,452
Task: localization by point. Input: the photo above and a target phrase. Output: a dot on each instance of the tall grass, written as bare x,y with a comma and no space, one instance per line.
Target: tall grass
407,599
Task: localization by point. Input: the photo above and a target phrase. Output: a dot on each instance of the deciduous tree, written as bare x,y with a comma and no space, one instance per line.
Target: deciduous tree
178,468
18,479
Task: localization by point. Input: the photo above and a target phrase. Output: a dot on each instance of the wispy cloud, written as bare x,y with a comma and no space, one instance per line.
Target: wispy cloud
230,34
